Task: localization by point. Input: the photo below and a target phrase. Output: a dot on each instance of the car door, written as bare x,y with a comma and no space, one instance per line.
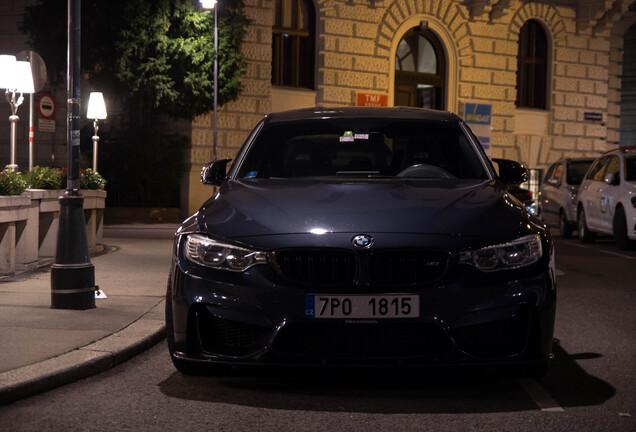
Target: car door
590,193
550,194
608,191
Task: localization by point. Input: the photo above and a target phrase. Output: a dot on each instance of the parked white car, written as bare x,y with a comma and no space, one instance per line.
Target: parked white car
559,193
607,198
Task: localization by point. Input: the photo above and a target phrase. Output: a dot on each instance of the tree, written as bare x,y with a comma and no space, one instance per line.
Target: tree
151,57
156,55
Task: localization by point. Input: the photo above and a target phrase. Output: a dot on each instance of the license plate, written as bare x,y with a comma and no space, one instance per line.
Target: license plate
362,306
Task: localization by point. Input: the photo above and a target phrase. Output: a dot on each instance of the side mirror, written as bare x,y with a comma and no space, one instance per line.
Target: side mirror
610,179
511,172
214,173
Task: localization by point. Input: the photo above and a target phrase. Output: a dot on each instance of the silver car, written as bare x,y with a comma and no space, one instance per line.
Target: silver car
559,190
607,198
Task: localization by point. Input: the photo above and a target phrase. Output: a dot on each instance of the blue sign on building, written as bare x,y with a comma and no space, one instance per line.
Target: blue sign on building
479,118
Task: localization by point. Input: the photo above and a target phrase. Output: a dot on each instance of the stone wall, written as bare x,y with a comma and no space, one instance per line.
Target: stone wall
355,48
236,119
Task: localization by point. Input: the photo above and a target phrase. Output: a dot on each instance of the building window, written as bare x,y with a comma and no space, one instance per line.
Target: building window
532,66
293,44
419,70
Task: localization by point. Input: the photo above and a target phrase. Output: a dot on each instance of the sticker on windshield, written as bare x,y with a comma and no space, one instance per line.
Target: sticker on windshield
347,137
251,174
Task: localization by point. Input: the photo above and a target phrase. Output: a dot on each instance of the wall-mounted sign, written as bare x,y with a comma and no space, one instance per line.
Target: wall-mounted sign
46,106
593,116
372,99
479,118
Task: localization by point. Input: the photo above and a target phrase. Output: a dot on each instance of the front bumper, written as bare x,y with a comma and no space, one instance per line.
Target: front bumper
255,318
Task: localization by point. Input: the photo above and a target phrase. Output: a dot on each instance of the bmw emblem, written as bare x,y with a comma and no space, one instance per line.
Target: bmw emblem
362,241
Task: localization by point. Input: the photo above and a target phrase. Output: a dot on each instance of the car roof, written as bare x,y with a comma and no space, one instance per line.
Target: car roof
579,159
629,150
361,112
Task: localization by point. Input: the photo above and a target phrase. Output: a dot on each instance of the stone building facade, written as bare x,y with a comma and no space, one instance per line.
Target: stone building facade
355,54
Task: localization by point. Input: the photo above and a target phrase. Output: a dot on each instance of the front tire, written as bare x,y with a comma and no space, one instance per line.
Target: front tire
585,235
619,226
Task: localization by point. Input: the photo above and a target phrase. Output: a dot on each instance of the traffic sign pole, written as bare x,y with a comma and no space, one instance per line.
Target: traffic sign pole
30,131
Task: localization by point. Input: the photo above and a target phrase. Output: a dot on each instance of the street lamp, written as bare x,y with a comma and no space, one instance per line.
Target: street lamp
16,78
210,4
96,111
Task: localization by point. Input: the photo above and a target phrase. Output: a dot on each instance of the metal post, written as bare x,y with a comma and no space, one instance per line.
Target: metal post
13,167
13,119
72,275
95,145
30,131
73,101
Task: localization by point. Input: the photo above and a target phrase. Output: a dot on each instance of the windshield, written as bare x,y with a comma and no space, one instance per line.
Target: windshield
363,148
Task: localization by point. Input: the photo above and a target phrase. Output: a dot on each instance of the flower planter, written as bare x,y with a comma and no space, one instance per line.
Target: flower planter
49,209
18,241
29,225
49,218
94,205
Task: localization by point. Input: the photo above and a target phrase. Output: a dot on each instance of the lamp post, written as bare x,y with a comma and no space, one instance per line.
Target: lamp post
72,274
96,111
210,4
16,78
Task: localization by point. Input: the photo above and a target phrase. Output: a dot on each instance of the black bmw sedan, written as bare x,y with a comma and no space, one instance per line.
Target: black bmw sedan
361,236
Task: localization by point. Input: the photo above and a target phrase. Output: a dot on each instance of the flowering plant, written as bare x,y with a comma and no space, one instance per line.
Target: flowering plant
12,183
44,178
90,179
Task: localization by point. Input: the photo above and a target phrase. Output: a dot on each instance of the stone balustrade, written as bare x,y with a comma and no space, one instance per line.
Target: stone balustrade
29,227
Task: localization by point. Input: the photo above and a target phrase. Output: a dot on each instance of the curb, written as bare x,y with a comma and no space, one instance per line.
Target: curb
85,361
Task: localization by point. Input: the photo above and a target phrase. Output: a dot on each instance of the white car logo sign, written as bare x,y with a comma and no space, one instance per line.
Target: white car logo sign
362,241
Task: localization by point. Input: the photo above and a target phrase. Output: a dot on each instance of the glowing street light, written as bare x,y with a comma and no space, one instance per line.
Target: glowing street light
96,111
16,78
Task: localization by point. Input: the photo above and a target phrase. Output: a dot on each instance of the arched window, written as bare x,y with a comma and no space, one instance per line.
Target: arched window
628,88
532,66
419,70
293,43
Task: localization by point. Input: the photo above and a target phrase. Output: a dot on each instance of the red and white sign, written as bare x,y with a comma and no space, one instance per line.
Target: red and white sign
46,106
372,99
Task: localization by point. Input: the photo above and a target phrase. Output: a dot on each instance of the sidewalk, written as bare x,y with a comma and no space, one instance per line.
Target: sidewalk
43,348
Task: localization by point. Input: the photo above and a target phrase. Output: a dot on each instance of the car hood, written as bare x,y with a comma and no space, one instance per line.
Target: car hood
250,208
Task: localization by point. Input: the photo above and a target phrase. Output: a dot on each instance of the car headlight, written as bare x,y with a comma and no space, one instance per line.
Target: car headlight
507,256
208,252
532,208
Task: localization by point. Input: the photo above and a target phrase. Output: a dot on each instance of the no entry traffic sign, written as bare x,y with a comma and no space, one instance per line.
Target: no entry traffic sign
46,106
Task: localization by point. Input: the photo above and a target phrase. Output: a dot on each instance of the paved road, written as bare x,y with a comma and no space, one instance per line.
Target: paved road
590,387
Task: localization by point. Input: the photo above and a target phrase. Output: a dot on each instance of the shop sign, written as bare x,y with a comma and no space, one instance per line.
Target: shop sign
372,99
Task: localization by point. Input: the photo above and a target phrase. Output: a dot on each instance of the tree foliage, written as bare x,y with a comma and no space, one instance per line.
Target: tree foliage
153,54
